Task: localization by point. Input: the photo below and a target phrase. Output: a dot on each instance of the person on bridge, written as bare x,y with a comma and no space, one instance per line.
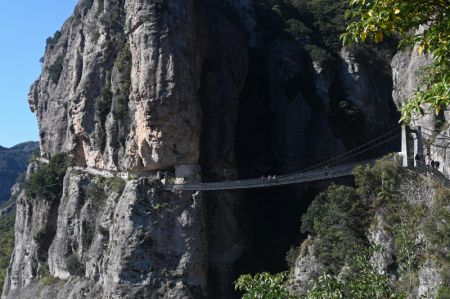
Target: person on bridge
428,162
437,164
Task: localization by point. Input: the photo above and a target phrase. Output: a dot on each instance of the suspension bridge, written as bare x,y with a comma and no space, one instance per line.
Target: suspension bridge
339,166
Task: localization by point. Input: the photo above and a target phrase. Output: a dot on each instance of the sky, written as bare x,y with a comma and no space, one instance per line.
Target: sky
24,27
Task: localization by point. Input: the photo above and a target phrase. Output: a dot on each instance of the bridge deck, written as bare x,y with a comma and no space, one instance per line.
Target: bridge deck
295,178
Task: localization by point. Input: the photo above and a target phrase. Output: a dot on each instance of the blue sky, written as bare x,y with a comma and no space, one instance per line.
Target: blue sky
24,27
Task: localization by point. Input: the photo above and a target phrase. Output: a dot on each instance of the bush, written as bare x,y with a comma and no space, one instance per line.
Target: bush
47,182
48,280
319,55
381,180
102,109
363,282
55,70
51,41
74,266
296,27
116,185
264,286
123,65
338,218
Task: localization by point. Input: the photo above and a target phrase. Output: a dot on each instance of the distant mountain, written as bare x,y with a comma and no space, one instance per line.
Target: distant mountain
13,162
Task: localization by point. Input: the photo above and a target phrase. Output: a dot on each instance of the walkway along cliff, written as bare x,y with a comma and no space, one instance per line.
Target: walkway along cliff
210,90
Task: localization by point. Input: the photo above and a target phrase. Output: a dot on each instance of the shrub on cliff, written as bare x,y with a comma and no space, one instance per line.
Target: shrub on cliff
264,286
338,219
363,281
47,182
74,266
55,70
51,41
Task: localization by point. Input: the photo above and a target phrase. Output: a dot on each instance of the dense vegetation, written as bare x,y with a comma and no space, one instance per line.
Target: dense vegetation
363,281
424,24
47,182
6,240
318,24
339,220
264,286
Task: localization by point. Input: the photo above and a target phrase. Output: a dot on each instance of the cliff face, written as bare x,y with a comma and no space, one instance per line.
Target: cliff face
140,86
109,238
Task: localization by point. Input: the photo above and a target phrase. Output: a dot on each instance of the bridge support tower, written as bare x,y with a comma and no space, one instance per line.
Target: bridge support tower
412,146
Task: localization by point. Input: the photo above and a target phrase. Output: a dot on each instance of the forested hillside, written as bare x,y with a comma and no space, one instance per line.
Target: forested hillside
13,162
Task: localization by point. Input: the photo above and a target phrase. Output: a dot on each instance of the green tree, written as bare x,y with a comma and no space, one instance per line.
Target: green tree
424,24
338,219
47,182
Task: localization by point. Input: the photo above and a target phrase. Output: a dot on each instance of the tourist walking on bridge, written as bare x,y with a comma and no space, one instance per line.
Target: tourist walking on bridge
428,162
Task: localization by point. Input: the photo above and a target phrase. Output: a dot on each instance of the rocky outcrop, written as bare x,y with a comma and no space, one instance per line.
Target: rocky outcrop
307,267
104,74
110,239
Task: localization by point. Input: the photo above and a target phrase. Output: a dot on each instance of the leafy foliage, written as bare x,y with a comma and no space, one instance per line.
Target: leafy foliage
362,282
263,286
47,182
424,24
338,218
6,243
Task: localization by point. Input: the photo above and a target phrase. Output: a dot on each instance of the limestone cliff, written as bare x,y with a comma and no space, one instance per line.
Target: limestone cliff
207,89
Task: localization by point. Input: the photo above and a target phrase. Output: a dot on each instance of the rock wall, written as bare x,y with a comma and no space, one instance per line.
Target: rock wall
108,238
130,57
